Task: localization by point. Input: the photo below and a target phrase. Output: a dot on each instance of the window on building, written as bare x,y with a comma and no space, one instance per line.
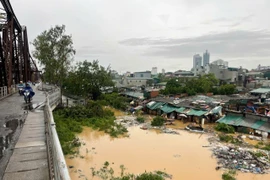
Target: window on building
141,75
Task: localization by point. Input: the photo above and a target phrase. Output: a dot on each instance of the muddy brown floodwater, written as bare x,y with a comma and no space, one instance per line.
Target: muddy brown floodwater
179,155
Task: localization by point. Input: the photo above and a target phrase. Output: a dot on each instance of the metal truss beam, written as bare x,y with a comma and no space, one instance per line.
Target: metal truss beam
16,63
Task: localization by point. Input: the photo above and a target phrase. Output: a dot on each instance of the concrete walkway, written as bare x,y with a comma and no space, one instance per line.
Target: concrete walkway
29,158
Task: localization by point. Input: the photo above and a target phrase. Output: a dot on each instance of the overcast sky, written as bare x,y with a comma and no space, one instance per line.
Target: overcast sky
136,35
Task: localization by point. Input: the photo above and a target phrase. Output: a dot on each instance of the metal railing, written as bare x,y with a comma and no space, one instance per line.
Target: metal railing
4,91
57,164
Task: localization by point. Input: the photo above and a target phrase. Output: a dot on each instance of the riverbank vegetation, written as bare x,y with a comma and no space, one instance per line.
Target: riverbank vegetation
158,121
263,146
229,175
140,119
225,128
107,173
71,120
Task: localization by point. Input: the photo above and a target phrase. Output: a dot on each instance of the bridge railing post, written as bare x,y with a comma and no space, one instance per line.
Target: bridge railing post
1,92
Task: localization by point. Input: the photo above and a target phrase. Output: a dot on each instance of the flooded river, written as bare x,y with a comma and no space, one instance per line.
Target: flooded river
180,155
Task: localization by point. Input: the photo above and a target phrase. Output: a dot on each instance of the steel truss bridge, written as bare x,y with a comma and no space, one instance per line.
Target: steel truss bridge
16,63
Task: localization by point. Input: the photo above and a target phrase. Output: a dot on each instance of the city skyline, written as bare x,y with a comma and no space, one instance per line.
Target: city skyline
140,35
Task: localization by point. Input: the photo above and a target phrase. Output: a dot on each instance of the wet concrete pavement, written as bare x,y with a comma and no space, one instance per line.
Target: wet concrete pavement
22,138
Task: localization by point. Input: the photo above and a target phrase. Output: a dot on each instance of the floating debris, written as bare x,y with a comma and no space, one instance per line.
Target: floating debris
170,131
245,160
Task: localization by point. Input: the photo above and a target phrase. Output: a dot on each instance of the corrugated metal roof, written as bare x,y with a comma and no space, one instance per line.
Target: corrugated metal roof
261,90
250,123
258,124
216,109
194,112
231,120
168,109
135,94
180,110
247,122
155,105
265,127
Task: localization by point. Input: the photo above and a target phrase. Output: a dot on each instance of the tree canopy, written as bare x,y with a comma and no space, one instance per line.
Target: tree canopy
203,84
54,51
87,80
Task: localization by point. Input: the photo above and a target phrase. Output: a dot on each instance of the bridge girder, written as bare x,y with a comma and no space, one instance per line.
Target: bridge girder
16,63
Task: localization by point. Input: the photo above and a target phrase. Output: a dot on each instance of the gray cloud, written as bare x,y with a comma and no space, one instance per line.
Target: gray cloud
233,24
229,22
183,28
227,44
238,20
90,51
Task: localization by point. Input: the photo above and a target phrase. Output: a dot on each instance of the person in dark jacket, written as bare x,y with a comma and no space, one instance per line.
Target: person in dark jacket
29,88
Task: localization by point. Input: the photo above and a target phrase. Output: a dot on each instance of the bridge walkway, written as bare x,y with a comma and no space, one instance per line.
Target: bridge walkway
29,159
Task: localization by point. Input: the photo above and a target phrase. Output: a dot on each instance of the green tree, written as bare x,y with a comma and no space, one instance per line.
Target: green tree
54,51
227,89
87,80
173,87
206,82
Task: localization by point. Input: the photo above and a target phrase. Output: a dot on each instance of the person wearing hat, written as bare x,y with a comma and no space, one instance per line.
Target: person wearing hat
20,87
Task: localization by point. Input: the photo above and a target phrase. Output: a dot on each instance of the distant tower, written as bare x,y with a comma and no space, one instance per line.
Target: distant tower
163,71
206,58
154,71
197,61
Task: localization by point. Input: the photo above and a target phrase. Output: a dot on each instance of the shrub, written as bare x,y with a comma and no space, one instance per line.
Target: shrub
266,147
140,119
229,175
148,176
71,120
224,128
229,139
158,121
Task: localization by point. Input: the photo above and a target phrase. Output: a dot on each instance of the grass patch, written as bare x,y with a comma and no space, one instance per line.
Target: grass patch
262,145
229,139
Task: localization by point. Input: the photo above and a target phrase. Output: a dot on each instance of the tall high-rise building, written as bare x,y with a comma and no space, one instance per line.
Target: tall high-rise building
206,58
197,61
163,71
154,71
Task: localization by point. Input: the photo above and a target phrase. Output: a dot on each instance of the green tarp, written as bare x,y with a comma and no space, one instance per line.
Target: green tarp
241,121
231,120
258,124
155,105
168,109
180,110
194,112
